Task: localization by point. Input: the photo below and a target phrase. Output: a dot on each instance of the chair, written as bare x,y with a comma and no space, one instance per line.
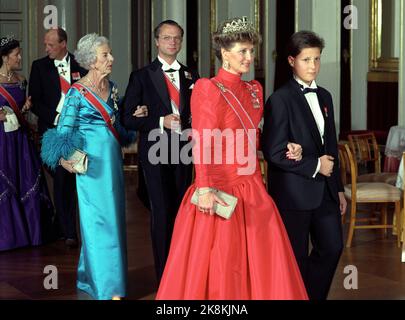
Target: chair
401,222
367,193
394,146
365,148
129,156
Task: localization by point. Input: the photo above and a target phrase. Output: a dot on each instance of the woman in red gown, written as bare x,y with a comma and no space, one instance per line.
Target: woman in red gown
248,256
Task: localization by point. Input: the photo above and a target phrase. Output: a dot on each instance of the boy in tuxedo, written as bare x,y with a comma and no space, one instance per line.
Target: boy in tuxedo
308,193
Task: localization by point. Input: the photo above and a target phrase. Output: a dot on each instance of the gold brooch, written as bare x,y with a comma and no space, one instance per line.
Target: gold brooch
221,86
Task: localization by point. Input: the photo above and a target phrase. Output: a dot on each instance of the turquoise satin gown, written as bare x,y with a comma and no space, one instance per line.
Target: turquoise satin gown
102,269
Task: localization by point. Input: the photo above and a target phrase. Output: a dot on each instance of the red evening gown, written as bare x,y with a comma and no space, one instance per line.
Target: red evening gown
248,256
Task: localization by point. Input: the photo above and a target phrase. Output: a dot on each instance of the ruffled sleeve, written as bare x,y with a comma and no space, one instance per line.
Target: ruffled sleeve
205,112
62,141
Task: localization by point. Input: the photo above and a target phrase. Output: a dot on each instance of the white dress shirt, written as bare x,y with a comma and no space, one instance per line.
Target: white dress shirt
63,67
315,107
175,77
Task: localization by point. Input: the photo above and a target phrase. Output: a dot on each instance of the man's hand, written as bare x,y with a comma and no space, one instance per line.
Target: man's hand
342,203
294,151
326,165
172,121
27,105
140,112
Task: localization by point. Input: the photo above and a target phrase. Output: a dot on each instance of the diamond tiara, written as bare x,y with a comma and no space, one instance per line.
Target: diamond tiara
238,25
6,40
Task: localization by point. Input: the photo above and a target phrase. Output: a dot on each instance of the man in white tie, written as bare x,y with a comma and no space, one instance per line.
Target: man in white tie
50,79
165,87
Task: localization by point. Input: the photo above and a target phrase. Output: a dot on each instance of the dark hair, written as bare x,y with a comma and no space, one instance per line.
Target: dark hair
302,40
227,40
156,31
7,47
62,35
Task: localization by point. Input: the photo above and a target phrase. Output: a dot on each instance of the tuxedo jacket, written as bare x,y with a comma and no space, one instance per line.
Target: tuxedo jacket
147,86
288,118
45,91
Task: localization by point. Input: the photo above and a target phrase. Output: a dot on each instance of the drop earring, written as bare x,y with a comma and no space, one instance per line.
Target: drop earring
226,65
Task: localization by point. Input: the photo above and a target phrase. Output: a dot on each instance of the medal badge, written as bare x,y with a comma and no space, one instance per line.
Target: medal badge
76,76
188,75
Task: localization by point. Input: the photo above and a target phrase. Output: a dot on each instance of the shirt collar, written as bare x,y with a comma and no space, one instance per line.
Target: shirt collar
303,85
165,66
64,62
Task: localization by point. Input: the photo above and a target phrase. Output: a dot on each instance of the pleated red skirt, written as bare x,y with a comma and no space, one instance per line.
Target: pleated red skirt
246,257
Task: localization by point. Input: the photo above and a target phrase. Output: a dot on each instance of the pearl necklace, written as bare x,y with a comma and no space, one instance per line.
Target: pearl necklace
95,88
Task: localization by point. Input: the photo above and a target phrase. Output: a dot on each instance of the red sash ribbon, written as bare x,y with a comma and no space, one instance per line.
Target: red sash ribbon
237,108
90,97
13,104
64,84
174,93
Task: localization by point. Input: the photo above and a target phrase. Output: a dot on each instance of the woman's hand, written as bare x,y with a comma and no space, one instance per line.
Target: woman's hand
3,115
67,165
27,105
207,199
294,151
141,111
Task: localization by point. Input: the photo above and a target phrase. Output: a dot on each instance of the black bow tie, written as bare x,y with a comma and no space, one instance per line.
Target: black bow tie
308,90
171,70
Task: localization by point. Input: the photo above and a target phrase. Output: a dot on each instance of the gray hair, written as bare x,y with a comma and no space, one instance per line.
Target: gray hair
86,53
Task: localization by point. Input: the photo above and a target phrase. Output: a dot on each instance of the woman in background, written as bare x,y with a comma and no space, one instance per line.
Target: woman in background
25,207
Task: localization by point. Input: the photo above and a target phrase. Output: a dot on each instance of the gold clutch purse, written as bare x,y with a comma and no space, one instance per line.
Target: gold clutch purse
222,211
81,161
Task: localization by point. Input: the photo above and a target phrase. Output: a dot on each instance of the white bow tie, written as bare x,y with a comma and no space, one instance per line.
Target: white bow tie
61,63
175,66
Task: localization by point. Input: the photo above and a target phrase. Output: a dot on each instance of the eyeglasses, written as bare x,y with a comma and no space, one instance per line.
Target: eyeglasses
169,38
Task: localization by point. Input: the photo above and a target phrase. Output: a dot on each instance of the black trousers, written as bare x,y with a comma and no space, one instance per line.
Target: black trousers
323,226
64,193
166,185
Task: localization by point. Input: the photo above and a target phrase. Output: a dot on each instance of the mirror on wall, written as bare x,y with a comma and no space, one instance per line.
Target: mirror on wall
384,35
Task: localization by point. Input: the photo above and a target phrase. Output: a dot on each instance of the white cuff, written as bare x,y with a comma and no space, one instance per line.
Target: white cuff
56,121
161,124
60,104
318,167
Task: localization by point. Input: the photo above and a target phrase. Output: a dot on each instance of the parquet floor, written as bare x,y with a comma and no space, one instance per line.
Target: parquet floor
381,275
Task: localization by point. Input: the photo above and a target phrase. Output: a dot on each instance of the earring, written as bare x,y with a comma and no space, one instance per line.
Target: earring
226,65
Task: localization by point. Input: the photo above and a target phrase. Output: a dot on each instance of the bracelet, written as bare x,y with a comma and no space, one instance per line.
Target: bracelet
60,161
202,191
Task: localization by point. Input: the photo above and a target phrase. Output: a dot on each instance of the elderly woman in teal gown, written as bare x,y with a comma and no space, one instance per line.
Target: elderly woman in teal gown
90,122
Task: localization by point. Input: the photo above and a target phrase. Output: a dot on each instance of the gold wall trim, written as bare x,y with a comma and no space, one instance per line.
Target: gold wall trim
213,27
100,13
376,62
382,76
401,95
258,60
